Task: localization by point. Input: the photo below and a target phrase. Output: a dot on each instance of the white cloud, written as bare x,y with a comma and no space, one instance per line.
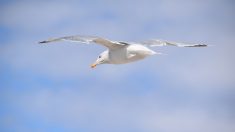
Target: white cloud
36,15
110,98
103,112
66,59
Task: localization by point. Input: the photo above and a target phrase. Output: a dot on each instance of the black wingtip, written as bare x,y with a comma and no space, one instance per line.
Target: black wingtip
197,45
42,42
202,45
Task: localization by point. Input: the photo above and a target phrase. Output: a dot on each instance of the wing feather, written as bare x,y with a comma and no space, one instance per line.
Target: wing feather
158,42
87,40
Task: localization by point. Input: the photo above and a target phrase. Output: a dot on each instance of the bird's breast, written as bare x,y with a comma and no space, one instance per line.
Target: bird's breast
128,54
118,56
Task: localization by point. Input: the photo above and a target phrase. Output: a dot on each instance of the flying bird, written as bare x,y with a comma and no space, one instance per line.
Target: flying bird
120,52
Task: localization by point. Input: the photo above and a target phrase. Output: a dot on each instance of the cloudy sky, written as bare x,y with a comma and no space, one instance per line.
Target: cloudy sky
52,88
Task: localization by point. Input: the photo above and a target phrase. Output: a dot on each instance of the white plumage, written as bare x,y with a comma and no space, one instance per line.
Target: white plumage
121,52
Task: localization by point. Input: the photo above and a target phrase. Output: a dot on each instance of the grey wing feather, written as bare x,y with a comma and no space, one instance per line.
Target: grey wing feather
158,42
88,39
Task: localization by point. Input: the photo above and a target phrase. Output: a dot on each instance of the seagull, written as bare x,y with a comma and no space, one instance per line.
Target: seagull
120,52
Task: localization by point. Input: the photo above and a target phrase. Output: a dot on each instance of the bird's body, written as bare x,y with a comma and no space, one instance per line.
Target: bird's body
121,52
129,53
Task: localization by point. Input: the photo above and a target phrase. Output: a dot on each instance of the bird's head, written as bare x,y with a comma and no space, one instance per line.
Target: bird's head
103,58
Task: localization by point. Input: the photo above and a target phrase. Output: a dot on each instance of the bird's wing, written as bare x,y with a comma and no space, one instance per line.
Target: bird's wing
158,42
88,39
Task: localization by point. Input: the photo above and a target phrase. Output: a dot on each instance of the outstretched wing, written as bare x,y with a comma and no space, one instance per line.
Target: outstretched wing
88,39
157,42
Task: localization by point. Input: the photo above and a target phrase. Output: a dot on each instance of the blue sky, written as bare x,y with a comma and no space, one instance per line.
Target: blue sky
52,87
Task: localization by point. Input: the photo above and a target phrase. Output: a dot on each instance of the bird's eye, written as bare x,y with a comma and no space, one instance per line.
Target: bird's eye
99,56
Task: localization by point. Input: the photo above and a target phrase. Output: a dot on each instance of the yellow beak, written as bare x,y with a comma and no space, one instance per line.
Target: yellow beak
93,65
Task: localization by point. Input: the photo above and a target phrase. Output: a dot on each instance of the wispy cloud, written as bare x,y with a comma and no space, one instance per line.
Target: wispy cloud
147,113
186,90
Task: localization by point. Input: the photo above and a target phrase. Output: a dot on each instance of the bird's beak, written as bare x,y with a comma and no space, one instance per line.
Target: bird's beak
93,65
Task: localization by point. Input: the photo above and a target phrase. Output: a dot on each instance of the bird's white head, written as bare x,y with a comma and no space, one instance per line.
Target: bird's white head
102,59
